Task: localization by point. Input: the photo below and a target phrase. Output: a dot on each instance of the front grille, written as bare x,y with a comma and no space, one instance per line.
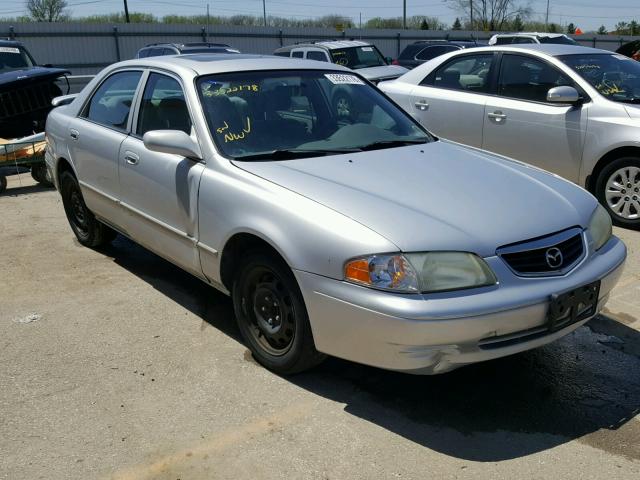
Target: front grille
27,99
531,258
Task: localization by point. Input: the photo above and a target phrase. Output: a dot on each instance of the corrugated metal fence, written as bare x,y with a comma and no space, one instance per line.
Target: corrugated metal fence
86,48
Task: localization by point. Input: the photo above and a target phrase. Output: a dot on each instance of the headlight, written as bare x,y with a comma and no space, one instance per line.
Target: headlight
421,272
600,227
387,272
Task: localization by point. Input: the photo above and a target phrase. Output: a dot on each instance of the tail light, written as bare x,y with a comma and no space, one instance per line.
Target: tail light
395,62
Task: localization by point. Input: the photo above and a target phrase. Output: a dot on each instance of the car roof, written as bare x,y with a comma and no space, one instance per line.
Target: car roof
552,49
187,45
210,63
328,44
530,34
10,43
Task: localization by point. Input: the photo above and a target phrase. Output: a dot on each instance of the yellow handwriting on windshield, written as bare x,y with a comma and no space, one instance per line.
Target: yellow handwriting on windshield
231,136
608,88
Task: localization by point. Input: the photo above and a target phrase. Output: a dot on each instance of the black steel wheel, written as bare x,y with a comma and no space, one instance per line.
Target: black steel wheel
272,317
89,231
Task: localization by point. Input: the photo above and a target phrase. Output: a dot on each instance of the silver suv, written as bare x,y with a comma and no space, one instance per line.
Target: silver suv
572,110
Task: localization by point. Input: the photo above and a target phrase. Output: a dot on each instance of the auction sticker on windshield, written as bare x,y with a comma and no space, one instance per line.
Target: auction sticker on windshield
343,79
9,50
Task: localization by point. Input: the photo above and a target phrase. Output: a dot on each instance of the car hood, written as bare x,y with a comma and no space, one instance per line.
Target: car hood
13,78
382,72
437,196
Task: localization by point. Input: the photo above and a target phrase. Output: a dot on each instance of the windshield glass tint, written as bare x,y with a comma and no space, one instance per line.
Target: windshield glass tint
358,57
616,77
253,113
14,58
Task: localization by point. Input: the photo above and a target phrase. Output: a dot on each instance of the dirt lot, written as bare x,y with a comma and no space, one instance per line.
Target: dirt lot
116,365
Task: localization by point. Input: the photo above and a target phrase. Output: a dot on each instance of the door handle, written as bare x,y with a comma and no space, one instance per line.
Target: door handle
422,105
131,158
498,116
73,133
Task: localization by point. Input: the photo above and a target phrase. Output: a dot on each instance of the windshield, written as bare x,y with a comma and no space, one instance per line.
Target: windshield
562,40
14,58
274,115
616,77
358,57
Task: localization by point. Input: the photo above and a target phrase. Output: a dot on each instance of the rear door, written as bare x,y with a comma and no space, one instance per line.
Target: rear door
159,191
450,100
520,123
95,137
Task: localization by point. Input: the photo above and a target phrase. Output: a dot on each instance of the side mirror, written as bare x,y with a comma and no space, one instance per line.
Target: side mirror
172,141
389,60
563,94
63,100
47,65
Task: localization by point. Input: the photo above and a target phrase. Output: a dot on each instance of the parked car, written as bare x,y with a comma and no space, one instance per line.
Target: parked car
419,52
574,111
630,49
531,37
160,49
361,237
354,54
26,90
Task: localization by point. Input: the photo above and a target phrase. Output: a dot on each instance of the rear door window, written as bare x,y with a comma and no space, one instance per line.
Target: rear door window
316,55
297,54
110,105
466,72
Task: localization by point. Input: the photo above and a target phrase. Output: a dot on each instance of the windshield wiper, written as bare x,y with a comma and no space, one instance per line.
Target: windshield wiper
392,143
292,153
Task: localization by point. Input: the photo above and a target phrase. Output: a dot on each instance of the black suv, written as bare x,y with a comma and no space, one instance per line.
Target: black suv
26,90
159,49
419,52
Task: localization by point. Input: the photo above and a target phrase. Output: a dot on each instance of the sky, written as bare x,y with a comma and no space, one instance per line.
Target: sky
586,14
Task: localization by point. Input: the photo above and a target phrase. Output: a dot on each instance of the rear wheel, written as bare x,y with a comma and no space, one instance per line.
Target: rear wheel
618,189
41,175
271,315
89,231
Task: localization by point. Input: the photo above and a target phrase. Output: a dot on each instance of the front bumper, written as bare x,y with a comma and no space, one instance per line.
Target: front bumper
435,333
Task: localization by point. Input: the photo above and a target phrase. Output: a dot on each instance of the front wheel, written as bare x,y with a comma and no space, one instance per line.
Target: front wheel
618,189
272,317
89,231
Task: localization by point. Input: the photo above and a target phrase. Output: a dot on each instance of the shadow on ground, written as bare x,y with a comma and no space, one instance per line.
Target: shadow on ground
584,385
24,190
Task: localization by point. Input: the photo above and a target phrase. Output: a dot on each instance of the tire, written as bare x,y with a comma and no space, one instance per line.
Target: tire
3,183
41,175
618,190
280,338
89,231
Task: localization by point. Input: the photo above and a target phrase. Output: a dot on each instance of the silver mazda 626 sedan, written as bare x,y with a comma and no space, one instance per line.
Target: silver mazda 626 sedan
357,236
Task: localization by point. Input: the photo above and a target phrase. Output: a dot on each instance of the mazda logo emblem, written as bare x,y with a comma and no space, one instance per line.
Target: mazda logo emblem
554,258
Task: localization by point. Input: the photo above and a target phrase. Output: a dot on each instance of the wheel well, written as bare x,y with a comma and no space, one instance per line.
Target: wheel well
235,249
609,157
63,166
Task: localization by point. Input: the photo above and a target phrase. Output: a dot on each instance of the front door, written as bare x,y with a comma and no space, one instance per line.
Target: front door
520,123
159,191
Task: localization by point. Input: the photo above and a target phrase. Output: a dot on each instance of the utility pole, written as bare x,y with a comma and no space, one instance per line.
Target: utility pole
471,14
126,11
360,21
264,11
546,19
207,22
404,14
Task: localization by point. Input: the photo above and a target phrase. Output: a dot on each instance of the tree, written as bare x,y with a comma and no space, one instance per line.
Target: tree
602,30
457,25
571,29
424,25
491,15
622,28
47,10
634,28
517,26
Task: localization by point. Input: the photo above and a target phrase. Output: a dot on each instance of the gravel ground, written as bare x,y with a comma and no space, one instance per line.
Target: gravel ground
114,364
